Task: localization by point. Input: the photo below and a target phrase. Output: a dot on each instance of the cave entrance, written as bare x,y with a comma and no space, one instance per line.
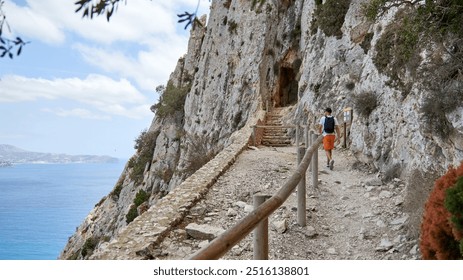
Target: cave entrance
287,88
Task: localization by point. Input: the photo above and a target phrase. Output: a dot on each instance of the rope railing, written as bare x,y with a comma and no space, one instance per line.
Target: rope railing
224,242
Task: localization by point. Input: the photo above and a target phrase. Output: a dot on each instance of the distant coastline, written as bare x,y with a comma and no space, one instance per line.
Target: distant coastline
5,164
10,155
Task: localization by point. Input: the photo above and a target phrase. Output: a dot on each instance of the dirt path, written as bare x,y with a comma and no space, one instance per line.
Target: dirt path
351,215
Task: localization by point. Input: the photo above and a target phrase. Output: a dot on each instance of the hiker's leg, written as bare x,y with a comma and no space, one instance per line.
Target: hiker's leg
328,157
331,164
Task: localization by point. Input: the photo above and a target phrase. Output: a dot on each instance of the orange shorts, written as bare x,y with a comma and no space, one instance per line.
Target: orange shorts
328,142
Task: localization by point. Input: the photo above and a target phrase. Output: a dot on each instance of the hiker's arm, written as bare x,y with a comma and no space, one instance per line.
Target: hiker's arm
338,132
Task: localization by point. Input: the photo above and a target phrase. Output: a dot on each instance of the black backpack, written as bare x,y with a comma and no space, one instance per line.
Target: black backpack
328,126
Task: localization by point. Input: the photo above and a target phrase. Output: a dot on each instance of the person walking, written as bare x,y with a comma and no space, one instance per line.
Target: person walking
328,126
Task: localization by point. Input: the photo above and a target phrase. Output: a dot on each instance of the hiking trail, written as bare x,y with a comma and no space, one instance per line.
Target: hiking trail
350,215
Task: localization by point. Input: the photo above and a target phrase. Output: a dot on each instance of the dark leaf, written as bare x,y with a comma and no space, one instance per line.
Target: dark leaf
3,54
19,51
11,55
109,13
2,48
2,41
85,14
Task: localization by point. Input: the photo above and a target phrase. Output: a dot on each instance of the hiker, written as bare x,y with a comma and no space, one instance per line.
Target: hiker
328,126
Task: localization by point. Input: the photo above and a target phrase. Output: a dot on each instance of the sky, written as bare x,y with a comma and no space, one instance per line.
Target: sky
86,86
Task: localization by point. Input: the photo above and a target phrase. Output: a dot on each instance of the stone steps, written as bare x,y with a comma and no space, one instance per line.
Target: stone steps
276,136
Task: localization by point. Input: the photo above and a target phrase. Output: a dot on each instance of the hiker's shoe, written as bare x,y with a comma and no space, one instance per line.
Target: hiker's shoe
331,164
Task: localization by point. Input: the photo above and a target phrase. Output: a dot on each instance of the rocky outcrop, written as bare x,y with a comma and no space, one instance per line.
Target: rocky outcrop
278,54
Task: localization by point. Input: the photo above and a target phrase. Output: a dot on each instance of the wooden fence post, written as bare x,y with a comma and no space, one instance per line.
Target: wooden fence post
254,131
310,136
314,164
306,136
344,145
260,236
301,192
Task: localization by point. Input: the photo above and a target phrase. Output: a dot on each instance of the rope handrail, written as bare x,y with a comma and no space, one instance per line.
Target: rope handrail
224,242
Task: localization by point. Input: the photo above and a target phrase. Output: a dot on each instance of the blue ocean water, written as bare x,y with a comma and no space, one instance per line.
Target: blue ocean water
42,204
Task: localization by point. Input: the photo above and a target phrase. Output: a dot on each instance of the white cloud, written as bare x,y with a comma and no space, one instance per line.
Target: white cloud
139,48
99,92
148,68
47,20
141,42
28,23
77,112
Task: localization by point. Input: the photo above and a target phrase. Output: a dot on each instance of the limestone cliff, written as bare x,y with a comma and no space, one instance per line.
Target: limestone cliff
256,55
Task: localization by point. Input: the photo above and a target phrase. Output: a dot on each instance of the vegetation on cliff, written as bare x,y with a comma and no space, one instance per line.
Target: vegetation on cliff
329,17
431,30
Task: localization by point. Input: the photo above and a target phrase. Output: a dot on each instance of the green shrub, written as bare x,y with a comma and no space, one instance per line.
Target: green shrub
145,144
454,204
373,8
441,233
116,192
415,27
171,101
139,199
89,245
132,214
397,46
329,17
365,103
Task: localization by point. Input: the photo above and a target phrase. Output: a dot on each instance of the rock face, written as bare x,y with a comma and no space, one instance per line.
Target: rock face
277,54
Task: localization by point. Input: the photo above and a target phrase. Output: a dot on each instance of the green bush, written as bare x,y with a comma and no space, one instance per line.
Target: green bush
415,27
171,101
373,8
329,17
396,46
89,245
365,103
441,228
145,144
132,214
116,192
454,204
139,199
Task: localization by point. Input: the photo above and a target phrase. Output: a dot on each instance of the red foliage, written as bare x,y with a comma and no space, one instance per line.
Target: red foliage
439,238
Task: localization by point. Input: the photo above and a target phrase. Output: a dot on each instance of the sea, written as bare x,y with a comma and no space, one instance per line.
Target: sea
41,205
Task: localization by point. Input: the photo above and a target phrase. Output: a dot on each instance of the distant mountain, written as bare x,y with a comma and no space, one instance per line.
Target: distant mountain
10,154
